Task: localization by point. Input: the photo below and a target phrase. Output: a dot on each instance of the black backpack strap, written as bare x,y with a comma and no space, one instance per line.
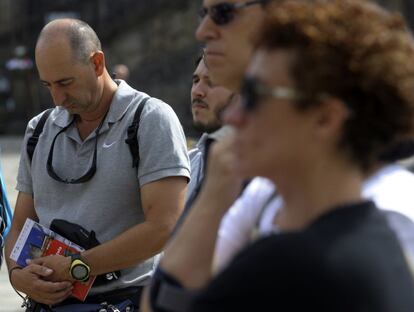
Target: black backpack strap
132,139
32,142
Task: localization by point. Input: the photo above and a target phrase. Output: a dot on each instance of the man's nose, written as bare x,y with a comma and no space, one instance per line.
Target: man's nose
58,96
199,90
206,30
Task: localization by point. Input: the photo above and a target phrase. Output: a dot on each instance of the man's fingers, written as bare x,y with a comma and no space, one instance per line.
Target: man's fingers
32,282
61,294
51,292
52,287
57,287
39,270
38,261
55,297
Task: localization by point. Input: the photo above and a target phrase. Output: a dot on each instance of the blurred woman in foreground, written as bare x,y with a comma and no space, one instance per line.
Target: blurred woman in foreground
330,88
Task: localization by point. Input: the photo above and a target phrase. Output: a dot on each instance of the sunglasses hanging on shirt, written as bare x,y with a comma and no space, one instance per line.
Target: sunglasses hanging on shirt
91,171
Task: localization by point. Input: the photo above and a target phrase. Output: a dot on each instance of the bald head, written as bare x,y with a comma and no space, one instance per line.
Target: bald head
80,37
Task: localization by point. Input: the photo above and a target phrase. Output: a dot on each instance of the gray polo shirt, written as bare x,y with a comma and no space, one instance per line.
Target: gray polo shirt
197,156
109,203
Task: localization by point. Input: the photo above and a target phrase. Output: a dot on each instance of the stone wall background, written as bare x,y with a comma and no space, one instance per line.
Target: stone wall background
154,38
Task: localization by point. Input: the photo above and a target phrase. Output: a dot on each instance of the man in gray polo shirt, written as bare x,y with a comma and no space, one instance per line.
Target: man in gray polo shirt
132,211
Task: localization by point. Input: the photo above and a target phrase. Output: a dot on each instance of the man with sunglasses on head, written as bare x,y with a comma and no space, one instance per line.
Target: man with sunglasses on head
131,210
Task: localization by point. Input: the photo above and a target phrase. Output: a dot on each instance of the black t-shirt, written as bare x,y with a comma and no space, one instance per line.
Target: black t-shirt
348,260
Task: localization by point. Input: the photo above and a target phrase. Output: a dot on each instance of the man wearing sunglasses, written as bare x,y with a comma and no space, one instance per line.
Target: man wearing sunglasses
227,29
131,210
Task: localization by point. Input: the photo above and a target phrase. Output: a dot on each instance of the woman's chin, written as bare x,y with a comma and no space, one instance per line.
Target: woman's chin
245,170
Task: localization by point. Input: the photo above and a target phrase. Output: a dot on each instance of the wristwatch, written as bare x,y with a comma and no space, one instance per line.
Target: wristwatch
79,270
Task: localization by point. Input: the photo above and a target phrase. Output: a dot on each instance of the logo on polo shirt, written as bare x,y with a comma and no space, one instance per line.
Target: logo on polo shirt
108,145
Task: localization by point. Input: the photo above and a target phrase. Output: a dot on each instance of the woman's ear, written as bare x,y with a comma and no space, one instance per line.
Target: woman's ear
331,115
98,61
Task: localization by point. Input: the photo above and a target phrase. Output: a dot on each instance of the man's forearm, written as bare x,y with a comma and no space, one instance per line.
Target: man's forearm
10,241
24,209
128,249
144,240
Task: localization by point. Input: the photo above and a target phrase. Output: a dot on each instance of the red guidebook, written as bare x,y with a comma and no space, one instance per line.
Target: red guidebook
36,240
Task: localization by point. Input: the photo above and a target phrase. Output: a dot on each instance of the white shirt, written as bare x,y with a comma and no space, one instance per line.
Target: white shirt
391,188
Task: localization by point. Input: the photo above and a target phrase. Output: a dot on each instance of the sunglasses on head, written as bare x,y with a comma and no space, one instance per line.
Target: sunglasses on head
252,90
223,13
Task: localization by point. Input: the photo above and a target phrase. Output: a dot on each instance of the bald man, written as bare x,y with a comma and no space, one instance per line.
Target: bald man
89,179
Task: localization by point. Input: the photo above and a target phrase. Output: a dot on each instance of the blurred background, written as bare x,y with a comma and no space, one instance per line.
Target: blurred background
154,39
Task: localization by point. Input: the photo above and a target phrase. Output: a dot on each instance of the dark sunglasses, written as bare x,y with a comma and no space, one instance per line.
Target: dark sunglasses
91,171
223,13
252,90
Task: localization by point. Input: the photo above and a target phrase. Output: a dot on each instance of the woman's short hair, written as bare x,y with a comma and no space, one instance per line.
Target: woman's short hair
357,52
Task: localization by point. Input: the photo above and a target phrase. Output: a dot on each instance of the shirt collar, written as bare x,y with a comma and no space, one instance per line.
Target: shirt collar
62,117
201,142
214,136
123,97
221,133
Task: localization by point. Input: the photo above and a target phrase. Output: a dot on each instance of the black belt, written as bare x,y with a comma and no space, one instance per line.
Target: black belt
111,297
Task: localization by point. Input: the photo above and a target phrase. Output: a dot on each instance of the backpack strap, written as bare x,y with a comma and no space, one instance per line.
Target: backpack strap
132,139
32,142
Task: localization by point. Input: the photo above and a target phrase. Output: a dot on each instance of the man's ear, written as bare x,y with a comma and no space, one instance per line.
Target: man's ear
98,61
331,116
